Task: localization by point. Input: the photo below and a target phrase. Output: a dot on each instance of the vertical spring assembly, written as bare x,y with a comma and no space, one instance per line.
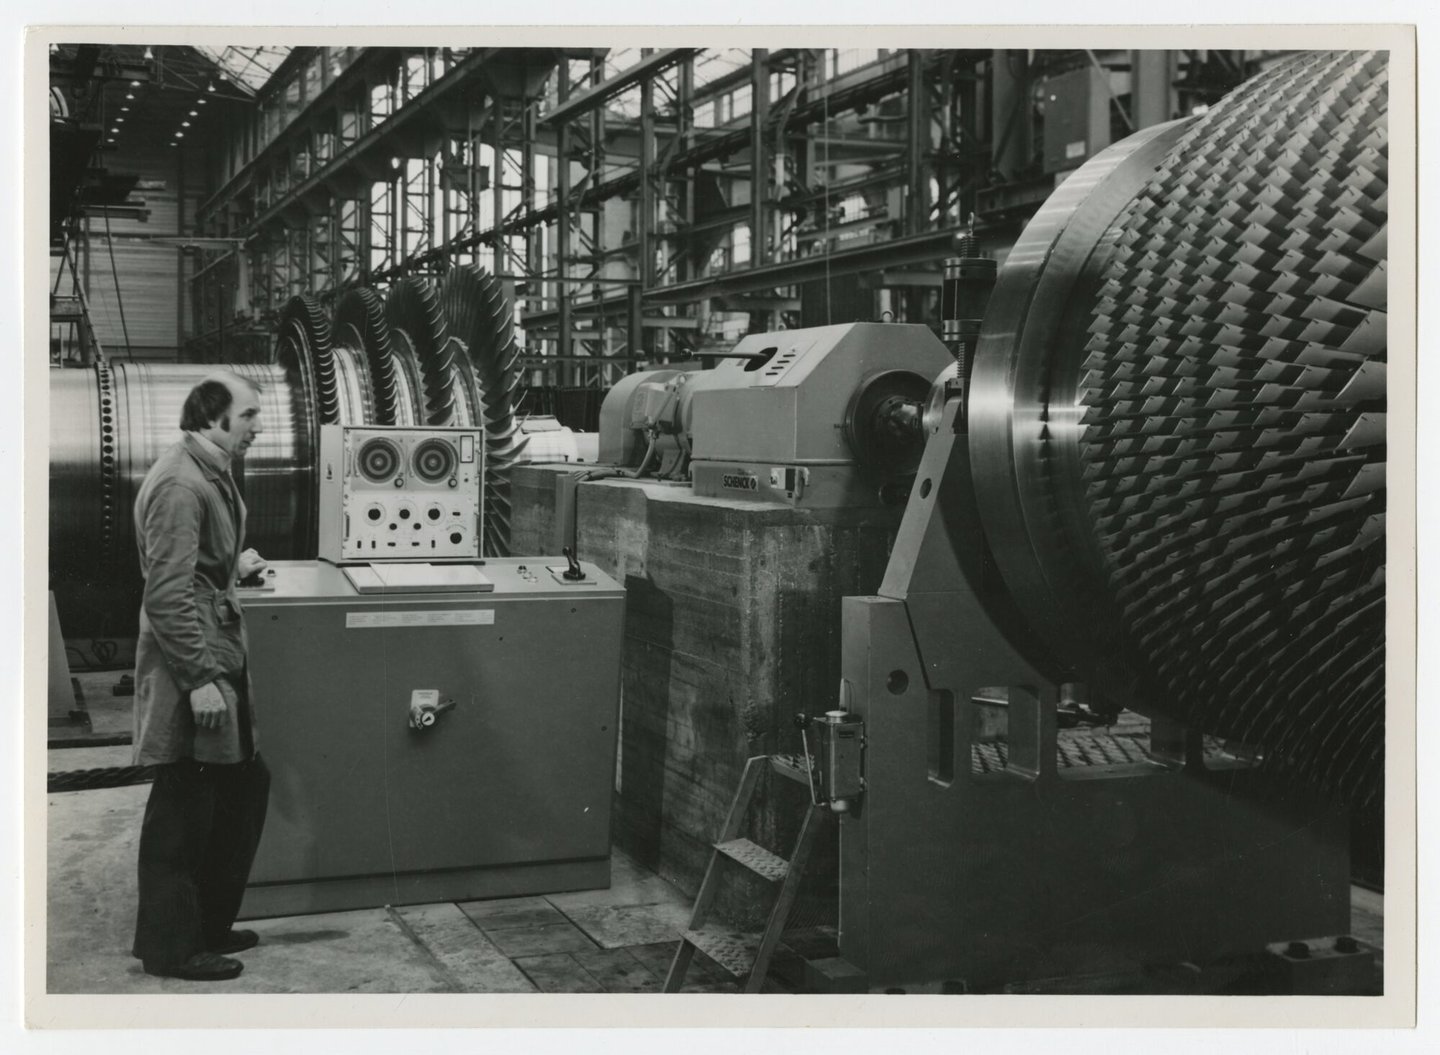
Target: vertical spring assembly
968,280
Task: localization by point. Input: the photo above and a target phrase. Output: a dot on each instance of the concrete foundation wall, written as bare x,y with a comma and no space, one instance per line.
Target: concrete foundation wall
732,626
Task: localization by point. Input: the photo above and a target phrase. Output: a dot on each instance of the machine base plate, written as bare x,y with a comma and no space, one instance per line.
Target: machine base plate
461,884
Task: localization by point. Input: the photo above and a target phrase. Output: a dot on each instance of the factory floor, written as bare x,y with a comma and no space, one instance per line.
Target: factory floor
618,940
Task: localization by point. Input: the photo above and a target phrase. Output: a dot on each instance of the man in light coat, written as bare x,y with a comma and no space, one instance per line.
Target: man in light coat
193,719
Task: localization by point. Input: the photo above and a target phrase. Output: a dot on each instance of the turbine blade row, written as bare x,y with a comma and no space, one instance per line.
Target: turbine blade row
416,356
1233,416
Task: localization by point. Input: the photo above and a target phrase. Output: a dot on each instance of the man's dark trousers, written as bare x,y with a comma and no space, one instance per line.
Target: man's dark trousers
202,826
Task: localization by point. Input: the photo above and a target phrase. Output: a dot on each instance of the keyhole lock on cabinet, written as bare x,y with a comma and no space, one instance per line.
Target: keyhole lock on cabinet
425,707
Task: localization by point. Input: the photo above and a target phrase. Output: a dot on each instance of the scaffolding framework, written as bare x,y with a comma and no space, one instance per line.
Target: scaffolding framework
653,204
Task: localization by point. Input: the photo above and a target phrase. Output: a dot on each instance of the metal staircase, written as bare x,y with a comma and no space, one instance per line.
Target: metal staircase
746,957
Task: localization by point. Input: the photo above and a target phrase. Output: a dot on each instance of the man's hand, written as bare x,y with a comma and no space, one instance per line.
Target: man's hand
208,706
251,563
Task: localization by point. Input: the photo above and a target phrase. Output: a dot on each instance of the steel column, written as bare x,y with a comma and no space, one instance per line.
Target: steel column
562,207
179,252
917,144
595,171
635,321
685,130
533,257
645,220
1152,87
1011,130
497,182
759,176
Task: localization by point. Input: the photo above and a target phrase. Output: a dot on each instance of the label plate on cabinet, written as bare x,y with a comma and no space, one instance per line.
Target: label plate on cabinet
439,617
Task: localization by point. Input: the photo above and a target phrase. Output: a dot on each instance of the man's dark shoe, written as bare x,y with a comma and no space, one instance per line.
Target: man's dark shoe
202,967
234,941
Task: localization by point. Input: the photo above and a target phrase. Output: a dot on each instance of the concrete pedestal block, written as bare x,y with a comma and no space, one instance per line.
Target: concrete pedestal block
732,626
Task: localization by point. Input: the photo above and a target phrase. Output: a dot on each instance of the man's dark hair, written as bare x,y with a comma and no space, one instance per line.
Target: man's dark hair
206,402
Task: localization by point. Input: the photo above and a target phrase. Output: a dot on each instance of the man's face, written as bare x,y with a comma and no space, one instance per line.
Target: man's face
238,426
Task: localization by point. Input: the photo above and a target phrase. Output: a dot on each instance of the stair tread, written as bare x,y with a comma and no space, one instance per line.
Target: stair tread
756,858
733,951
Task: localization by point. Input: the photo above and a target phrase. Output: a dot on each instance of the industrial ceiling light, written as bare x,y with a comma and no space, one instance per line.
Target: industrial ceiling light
149,55
134,84
184,124
210,87
179,135
129,95
124,109
194,113
201,102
